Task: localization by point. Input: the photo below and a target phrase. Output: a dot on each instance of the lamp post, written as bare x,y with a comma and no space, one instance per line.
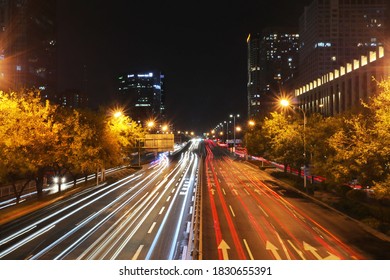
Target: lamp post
234,130
227,131
286,103
251,124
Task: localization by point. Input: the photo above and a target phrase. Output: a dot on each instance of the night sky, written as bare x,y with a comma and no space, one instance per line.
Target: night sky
199,45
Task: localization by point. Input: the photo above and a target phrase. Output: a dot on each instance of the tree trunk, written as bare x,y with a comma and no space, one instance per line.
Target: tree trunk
16,193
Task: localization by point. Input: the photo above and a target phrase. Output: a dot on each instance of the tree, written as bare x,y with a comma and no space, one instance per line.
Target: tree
285,137
27,136
360,147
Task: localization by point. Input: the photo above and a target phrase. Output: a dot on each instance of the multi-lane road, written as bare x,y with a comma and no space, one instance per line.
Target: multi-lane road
201,204
144,216
248,215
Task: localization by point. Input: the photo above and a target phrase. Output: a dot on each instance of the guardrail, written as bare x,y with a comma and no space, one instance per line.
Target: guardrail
194,240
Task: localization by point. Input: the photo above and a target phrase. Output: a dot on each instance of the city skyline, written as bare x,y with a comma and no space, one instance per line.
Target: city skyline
201,49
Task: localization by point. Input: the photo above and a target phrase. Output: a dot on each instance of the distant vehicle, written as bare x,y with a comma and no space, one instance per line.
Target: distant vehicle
353,186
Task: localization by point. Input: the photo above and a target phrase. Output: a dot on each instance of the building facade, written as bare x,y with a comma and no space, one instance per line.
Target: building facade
28,46
344,88
143,95
272,62
334,32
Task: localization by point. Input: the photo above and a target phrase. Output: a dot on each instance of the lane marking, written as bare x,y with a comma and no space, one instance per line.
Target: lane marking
297,250
152,227
162,210
249,250
169,198
231,210
265,213
283,246
138,252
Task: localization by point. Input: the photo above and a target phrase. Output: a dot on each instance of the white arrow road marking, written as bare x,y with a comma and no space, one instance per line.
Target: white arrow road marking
274,250
313,250
297,250
283,246
224,247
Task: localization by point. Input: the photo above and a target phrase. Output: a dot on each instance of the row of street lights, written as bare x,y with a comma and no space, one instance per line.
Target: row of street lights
287,104
284,103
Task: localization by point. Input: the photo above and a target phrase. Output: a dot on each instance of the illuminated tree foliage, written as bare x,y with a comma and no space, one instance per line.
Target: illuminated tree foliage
27,136
341,148
38,138
285,137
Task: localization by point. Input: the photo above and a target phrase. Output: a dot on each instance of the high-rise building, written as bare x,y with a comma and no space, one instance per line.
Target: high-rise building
28,47
253,86
334,32
272,62
143,95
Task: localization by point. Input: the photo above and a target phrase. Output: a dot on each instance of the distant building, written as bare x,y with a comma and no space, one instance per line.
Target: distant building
334,32
272,62
71,98
143,95
28,46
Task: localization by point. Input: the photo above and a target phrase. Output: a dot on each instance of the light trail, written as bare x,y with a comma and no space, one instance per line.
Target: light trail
106,190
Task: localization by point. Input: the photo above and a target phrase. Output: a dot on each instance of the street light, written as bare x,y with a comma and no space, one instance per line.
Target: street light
234,130
118,114
150,124
286,103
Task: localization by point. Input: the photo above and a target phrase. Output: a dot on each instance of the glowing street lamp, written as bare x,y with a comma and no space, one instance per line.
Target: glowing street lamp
164,128
118,114
150,124
286,103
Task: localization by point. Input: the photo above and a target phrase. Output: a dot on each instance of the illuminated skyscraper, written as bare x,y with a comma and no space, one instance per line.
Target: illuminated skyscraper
143,95
28,46
272,61
334,32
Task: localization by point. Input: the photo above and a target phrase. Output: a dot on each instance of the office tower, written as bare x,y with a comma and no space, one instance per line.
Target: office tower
143,95
28,47
272,62
334,32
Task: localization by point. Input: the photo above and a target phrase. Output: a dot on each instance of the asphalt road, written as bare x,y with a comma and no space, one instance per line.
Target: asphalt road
248,215
143,216
245,214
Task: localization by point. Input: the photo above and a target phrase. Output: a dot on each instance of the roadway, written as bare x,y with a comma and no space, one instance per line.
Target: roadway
145,215
249,215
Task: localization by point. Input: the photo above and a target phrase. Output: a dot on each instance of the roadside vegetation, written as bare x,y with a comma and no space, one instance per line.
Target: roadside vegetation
349,150
39,139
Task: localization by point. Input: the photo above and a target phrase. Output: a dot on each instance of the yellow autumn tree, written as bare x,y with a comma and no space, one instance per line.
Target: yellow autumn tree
27,137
